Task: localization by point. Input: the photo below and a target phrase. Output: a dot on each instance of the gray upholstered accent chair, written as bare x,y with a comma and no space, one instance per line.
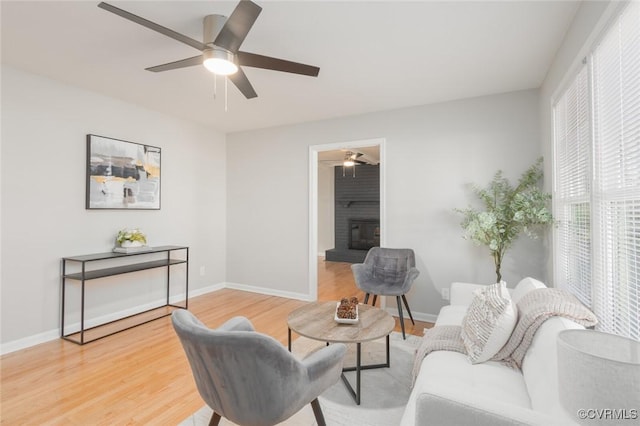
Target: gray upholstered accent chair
387,272
249,377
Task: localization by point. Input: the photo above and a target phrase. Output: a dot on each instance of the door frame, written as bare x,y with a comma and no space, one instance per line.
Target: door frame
313,200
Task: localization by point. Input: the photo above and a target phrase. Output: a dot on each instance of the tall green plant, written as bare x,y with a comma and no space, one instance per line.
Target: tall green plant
508,212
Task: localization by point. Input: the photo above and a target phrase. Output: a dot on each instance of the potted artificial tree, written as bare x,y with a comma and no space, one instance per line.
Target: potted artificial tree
508,212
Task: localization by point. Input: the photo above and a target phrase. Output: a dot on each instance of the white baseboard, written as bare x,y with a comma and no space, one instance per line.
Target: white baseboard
207,289
47,336
27,342
268,291
419,316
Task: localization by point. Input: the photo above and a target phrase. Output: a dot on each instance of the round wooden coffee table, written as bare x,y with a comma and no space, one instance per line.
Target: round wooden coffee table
316,321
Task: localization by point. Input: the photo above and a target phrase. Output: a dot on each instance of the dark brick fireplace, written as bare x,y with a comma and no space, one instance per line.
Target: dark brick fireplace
357,213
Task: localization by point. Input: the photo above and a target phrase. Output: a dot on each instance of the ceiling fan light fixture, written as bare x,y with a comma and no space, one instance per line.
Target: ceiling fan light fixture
219,61
349,159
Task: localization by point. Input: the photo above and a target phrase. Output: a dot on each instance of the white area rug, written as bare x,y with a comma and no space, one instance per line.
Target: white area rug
385,391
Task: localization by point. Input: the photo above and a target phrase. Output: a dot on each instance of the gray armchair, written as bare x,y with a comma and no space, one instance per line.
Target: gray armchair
249,377
387,272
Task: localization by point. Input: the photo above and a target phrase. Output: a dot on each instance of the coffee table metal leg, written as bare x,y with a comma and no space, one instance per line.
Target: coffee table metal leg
358,369
355,393
388,355
289,342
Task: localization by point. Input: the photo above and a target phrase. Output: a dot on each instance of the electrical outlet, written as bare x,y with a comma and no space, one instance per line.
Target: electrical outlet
445,293
202,271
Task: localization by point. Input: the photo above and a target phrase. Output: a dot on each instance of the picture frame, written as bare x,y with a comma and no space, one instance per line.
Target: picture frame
122,175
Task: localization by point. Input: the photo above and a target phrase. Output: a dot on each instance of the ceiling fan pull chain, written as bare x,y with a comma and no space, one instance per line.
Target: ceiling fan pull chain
215,86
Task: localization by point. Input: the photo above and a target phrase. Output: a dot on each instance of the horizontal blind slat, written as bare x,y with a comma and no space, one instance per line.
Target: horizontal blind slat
616,196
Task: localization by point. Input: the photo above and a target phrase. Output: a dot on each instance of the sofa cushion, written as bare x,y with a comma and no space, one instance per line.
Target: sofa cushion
488,323
523,287
451,315
540,367
452,370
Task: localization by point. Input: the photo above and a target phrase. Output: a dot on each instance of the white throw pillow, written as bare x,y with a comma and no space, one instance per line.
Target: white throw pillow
525,286
489,322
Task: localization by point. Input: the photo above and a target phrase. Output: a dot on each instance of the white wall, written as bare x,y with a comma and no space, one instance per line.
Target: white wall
432,152
589,21
326,208
44,126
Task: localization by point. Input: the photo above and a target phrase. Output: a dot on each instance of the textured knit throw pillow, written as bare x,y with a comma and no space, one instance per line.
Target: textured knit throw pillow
488,323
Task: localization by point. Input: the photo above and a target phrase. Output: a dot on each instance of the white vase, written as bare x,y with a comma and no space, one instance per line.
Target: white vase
128,243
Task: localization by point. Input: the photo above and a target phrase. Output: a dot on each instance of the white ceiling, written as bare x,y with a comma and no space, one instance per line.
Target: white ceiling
371,154
373,56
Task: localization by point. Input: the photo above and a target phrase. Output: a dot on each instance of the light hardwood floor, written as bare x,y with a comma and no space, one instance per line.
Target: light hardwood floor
141,376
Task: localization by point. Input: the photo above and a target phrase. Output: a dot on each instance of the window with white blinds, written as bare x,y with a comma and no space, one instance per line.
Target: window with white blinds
572,199
597,179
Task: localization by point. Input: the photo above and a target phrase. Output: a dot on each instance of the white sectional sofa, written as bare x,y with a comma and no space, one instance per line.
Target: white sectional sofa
450,390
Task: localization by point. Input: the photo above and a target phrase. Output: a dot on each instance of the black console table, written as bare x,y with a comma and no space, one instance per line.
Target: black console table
126,263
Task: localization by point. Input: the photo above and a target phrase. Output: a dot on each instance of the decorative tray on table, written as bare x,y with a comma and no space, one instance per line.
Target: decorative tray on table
347,311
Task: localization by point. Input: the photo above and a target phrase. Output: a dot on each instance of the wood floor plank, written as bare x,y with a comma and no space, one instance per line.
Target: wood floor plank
141,376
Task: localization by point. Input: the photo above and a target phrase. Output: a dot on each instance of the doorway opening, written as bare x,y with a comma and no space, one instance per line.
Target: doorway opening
353,230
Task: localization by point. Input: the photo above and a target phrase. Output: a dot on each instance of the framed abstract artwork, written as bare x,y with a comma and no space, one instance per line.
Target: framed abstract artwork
122,175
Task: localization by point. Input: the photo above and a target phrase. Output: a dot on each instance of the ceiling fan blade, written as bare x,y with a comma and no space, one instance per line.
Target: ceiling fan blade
183,63
242,83
153,26
266,62
237,26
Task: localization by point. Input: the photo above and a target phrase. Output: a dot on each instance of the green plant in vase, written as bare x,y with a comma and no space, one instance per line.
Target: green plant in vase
131,238
508,212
